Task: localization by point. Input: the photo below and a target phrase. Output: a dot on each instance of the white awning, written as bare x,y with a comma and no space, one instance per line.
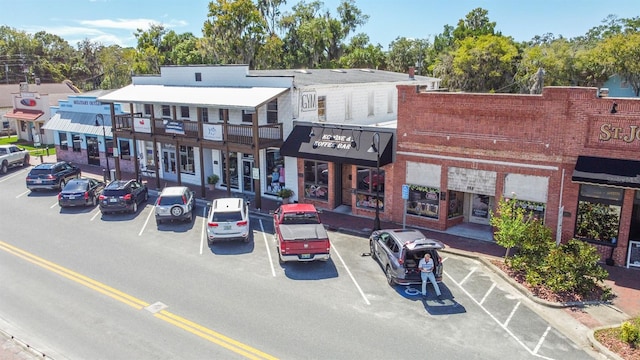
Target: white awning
223,97
83,123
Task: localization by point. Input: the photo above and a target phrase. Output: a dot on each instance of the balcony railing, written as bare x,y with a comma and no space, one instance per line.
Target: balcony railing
269,135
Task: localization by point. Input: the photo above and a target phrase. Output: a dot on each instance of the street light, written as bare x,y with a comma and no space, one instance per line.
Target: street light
375,147
104,136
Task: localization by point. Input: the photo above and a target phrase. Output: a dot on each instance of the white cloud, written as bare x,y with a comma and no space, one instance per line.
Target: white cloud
122,24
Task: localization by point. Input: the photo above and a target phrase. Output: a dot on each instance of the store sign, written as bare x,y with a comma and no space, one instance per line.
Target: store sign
174,127
142,125
212,132
334,142
611,132
28,102
309,101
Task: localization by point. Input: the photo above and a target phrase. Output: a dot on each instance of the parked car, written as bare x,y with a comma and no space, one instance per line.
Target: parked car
52,176
123,195
228,220
300,235
175,203
12,156
80,192
399,251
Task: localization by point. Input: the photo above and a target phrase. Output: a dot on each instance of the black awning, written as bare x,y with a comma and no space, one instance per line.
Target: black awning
341,145
605,171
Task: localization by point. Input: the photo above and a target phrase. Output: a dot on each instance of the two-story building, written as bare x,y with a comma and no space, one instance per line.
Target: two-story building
189,122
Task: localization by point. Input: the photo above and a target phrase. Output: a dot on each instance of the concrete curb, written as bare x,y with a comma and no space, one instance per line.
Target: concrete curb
602,349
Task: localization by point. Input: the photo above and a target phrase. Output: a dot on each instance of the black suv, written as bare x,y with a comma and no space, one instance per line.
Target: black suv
52,176
123,195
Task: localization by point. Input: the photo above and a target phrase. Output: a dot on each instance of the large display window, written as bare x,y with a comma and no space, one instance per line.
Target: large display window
232,163
316,175
456,204
275,171
423,201
598,217
368,179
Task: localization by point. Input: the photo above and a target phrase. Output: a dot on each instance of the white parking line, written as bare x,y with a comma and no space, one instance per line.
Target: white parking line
266,244
203,234
96,215
487,293
506,322
5,178
350,275
54,205
153,211
466,277
24,193
504,327
544,336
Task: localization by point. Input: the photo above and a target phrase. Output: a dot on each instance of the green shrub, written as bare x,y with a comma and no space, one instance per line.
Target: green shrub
630,333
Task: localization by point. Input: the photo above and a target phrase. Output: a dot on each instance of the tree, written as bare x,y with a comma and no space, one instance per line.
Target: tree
405,53
149,57
619,54
235,30
556,57
362,54
511,223
476,23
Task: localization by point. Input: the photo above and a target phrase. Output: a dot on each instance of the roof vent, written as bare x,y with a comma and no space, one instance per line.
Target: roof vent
366,70
339,71
302,71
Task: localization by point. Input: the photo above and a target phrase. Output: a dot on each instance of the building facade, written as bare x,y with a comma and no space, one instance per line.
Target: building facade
568,155
193,121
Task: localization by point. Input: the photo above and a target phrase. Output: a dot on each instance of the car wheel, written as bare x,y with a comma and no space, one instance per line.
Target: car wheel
387,273
62,184
176,211
4,168
94,201
25,162
134,209
210,242
280,257
372,249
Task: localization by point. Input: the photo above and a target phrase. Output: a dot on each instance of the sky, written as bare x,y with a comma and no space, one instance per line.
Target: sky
115,21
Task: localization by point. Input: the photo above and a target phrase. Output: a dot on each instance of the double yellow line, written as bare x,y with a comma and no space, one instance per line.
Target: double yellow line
189,326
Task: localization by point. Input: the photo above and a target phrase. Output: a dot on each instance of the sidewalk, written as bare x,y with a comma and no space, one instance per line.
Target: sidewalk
462,241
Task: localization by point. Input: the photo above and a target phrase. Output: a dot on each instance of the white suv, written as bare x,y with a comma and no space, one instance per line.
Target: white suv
228,220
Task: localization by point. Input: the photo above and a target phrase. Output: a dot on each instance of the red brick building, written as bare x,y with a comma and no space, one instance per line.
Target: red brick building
567,154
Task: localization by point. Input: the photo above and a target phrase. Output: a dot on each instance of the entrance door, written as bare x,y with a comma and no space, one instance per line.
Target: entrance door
247,178
346,184
479,208
93,152
169,164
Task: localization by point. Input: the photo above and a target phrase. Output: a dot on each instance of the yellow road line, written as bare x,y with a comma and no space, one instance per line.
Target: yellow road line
193,328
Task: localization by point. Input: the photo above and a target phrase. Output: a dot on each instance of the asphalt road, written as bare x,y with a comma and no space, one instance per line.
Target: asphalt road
76,285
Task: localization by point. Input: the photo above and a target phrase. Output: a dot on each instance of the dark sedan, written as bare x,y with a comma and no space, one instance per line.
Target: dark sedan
123,195
80,192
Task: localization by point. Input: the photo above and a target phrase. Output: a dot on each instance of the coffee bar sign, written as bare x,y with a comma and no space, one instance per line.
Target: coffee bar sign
334,142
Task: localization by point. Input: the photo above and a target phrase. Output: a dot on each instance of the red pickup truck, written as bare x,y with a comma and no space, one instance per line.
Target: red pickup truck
300,233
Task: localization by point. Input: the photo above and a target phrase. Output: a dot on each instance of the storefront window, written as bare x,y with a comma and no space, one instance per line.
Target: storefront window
634,230
456,204
316,175
534,209
77,143
233,168
125,149
424,201
149,164
64,143
109,147
187,164
368,179
598,217
275,171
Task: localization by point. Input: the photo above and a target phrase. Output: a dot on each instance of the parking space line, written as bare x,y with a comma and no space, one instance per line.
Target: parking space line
506,323
147,220
203,234
266,244
54,205
24,193
5,178
333,245
96,215
504,327
488,292
468,275
544,336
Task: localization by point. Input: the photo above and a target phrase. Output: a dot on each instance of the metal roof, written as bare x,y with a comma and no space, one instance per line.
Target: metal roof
307,77
78,122
227,97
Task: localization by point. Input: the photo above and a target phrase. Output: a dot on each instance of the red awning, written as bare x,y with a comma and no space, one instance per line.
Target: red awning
24,114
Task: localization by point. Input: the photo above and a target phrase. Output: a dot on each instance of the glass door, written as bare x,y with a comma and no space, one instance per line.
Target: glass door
169,164
93,152
247,178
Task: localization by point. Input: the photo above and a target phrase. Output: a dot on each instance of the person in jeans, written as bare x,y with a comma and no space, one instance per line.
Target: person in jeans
427,267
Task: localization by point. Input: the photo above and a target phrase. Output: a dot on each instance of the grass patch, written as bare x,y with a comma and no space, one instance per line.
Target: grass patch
13,140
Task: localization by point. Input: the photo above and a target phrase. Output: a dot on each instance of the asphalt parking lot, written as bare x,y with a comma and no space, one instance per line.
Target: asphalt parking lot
477,308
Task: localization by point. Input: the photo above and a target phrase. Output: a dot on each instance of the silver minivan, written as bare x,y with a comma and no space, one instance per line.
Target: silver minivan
228,220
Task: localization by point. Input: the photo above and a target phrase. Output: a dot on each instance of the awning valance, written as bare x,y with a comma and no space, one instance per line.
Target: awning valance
606,171
336,144
22,114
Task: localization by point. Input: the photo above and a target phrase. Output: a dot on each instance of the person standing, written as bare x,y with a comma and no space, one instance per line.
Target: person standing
427,267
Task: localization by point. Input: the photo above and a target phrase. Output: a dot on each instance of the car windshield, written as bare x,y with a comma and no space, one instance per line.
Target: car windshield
76,186
114,192
301,218
40,171
227,216
170,200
